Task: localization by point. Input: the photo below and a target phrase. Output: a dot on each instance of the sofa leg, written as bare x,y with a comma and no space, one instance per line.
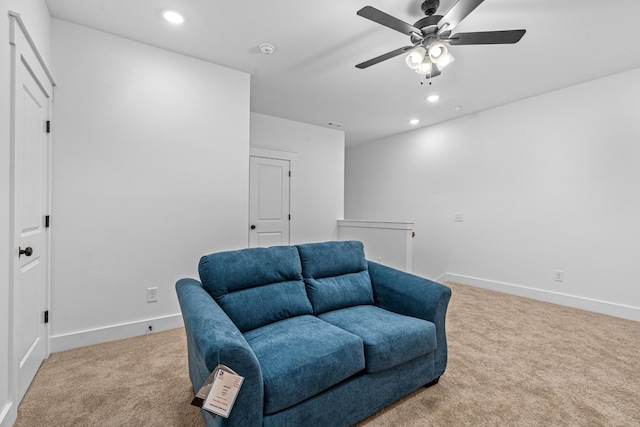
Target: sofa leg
434,382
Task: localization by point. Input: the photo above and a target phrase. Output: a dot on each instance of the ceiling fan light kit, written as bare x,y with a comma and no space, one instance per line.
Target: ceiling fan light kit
439,54
415,57
428,54
425,67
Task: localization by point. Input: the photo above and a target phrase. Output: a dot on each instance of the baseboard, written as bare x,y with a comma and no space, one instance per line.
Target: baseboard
441,279
73,340
597,306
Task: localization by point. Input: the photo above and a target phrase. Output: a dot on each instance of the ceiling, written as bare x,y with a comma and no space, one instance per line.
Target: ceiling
311,76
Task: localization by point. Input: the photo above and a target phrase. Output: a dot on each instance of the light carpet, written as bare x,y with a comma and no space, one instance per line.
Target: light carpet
512,362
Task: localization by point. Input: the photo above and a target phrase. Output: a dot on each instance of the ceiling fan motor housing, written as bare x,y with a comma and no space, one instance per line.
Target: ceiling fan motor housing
429,7
428,25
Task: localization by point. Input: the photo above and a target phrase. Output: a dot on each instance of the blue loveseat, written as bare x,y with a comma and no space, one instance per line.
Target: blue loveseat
322,336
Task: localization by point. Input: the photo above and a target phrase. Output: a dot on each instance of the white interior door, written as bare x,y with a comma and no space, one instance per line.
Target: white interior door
30,112
269,185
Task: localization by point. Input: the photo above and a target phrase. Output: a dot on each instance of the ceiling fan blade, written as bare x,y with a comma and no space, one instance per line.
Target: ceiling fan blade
457,13
389,21
487,37
384,57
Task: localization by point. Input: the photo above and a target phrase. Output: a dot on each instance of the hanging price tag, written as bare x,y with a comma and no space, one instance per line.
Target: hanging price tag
224,391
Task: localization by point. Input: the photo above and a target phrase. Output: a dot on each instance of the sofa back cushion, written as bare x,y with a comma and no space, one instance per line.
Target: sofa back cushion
256,286
336,275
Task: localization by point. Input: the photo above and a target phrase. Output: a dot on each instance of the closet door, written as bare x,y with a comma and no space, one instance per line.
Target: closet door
30,100
269,202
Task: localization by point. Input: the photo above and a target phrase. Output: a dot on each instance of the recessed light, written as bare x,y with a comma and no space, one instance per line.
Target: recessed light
414,121
433,98
172,16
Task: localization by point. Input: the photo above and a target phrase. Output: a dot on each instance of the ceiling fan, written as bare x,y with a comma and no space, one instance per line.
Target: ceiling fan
429,55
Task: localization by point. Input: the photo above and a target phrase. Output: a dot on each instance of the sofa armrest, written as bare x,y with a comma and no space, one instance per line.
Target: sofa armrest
411,295
212,338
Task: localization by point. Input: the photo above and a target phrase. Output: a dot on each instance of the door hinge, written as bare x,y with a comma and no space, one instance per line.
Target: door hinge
47,221
289,217
48,126
46,316
289,174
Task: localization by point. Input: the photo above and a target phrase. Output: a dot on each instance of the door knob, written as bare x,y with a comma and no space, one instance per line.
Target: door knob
26,251
253,227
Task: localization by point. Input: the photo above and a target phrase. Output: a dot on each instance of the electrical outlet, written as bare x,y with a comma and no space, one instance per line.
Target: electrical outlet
558,275
152,294
458,217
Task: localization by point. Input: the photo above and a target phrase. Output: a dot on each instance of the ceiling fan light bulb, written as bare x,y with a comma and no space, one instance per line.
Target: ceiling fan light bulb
415,58
425,67
437,50
410,63
445,60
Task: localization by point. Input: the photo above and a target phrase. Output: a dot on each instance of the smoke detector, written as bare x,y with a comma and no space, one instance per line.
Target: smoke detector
267,48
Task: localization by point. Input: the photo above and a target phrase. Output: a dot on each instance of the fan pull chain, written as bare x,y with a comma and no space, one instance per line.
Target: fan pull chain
422,79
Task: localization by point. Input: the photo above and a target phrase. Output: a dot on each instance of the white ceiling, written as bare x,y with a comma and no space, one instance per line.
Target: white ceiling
312,78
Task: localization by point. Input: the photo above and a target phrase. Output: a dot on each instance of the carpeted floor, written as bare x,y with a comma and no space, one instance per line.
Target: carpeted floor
512,362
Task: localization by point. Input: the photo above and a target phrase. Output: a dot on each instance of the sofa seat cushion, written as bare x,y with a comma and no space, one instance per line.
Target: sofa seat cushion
302,356
389,338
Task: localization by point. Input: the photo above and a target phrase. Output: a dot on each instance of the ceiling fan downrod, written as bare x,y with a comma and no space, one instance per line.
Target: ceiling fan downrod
429,7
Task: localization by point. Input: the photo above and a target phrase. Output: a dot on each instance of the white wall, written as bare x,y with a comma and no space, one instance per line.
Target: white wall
317,184
150,172
548,183
35,15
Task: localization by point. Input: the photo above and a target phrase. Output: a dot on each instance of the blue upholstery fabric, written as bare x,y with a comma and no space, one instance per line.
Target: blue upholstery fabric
302,356
390,339
414,296
357,397
230,271
255,307
336,275
256,286
332,293
332,258
212,339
